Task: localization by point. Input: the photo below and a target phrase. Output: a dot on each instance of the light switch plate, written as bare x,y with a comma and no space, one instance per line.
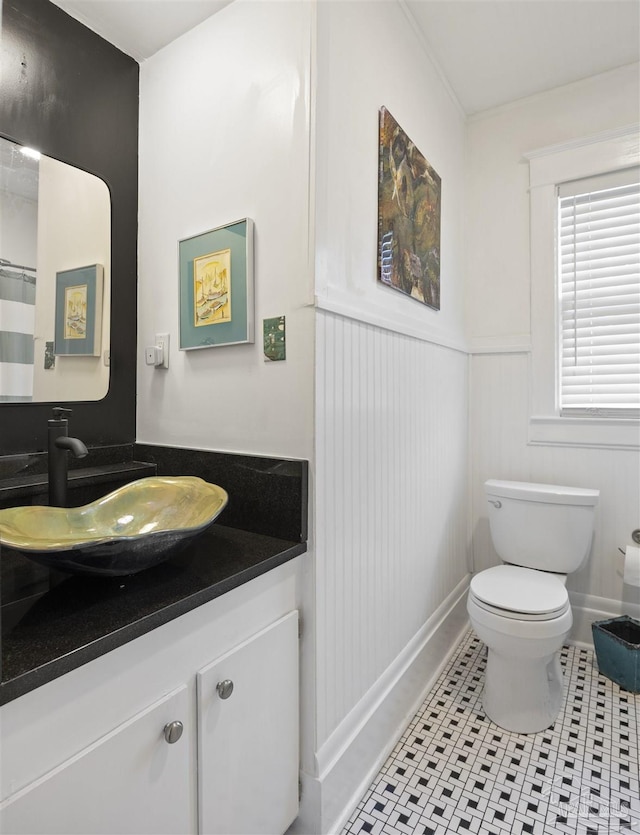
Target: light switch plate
274,339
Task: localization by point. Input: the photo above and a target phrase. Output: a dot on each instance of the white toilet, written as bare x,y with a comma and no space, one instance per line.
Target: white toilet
521,610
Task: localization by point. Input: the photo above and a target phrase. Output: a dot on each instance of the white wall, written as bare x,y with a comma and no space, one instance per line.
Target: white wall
498,316
370,56
391,379
224,134
18,243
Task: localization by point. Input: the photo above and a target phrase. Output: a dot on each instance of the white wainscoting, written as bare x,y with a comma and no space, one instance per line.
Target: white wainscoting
356,750
391,508
391,526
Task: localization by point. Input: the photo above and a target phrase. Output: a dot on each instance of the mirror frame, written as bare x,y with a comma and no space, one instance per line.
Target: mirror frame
73,96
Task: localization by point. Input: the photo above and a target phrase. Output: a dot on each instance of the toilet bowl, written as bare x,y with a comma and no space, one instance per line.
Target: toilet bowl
521,611
523,680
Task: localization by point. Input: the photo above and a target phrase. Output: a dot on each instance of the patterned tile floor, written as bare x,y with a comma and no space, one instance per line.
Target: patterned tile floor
454,771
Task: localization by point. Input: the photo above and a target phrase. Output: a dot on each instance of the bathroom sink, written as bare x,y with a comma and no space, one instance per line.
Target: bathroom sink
133,528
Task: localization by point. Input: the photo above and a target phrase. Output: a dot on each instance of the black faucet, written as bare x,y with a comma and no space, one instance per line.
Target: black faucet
59,444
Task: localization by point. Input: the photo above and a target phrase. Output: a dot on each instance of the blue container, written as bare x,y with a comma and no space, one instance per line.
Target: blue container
617,643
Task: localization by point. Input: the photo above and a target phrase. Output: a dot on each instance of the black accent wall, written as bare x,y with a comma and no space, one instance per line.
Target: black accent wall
72,95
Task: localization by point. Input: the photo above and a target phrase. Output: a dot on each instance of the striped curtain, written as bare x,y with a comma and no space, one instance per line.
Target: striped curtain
17,315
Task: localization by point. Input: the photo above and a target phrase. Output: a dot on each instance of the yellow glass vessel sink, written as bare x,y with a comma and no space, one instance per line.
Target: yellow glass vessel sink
133,528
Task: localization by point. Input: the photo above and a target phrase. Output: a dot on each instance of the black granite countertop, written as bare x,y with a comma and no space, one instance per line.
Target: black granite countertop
53,622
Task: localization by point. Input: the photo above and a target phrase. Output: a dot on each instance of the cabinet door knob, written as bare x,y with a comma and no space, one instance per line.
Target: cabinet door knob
173,731
224,688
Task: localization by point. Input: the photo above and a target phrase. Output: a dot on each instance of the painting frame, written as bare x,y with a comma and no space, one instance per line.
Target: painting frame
216,287
409,216
78,311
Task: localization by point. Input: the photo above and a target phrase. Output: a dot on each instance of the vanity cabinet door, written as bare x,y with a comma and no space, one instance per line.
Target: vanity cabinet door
129,781
248,750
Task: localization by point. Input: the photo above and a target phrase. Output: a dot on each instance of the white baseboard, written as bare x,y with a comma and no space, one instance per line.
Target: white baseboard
588,608
355,751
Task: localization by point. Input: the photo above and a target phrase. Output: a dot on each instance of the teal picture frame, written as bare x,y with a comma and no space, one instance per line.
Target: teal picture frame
216,287
78,311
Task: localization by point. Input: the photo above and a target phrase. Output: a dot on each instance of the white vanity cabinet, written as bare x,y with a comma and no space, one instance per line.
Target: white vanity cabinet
94,751
247,701
131,777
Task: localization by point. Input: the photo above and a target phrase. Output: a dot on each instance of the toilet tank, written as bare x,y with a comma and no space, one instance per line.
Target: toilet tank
542,526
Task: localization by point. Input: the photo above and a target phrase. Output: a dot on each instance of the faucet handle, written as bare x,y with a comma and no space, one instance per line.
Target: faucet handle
60,413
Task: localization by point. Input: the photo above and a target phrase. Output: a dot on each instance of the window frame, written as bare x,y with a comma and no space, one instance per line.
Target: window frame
549,167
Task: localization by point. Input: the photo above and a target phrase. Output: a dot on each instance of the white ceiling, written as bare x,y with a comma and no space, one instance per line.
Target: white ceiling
141,27
496,51
490,51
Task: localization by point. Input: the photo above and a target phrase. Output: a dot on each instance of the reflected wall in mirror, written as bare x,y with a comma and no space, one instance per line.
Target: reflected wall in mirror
53,218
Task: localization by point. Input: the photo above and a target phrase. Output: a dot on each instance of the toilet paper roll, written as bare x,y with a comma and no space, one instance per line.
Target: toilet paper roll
631,574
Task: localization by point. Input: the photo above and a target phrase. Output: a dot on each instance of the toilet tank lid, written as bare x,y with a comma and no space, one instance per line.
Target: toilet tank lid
551,493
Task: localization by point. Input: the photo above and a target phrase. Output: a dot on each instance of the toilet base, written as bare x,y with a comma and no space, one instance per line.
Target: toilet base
522,695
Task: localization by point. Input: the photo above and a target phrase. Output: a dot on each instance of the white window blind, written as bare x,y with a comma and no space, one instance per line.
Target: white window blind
599,292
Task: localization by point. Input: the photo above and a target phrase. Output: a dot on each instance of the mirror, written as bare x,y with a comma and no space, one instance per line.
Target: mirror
55,288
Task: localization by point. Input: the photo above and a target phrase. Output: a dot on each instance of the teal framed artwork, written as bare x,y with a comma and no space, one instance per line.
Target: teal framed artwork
216,287
78,312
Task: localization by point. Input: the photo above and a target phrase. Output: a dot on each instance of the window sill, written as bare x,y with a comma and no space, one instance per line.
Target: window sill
607,433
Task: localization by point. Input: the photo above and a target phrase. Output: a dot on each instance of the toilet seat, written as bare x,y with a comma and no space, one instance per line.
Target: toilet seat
520,593
510,614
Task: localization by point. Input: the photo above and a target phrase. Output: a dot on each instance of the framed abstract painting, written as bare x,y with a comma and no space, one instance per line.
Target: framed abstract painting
409,208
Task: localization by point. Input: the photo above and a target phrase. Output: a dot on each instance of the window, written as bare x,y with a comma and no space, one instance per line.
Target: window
585,292
598,297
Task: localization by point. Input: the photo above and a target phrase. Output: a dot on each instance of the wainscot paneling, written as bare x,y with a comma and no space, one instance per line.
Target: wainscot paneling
391,510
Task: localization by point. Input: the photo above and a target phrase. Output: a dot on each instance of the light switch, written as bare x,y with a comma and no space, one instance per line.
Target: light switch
274,340
162,342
